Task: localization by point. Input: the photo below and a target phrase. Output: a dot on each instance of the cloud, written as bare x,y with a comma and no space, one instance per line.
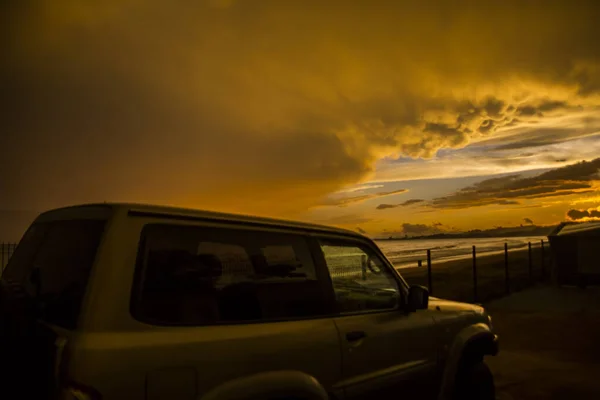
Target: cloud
544,137
528,221
269,106
360,188
507,202
529,206
539,109
591,214
404,204
573,179
411,202
419,229
551,143
344,220
344,201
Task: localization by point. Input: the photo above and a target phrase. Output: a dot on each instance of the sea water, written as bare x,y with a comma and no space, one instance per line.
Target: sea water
407,253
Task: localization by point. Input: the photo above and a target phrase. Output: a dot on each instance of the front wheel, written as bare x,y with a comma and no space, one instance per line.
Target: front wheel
476,382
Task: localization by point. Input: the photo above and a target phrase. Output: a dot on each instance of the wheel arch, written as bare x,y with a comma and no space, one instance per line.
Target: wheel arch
471,342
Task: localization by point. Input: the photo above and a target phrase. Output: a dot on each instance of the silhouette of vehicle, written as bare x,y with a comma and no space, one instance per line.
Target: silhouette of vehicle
122,301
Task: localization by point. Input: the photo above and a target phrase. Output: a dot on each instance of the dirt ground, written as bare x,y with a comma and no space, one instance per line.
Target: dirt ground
549,344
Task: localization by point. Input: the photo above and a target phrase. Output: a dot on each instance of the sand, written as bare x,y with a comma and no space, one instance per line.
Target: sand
548,343
453,280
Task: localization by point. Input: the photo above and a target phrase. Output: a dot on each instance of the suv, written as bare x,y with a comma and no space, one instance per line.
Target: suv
122,301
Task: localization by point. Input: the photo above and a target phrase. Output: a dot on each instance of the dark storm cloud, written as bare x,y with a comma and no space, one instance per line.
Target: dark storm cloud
268,106
544,137
541,108
419,229
404,204
576,215
572,179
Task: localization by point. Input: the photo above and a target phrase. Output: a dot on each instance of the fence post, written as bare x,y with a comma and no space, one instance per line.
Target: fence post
543,262
530,264
506,268
429,278
474,275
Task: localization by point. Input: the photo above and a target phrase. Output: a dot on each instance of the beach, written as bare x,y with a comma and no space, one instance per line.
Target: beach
407,253
454,279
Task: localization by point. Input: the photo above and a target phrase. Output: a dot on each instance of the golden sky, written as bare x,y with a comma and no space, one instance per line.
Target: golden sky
378,115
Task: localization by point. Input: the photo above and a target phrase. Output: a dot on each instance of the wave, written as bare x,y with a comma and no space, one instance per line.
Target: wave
407,253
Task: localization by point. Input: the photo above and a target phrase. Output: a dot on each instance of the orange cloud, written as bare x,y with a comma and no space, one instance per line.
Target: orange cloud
269,106
344,201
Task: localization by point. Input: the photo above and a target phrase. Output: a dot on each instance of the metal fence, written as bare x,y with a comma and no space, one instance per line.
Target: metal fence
484,277
6,251
479,279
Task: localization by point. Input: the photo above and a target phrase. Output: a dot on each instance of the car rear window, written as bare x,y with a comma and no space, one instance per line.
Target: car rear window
200,276
52,263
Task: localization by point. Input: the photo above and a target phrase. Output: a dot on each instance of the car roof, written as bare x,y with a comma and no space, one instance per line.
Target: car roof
168,212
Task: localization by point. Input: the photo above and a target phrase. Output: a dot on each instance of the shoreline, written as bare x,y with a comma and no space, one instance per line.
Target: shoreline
442,251
460,257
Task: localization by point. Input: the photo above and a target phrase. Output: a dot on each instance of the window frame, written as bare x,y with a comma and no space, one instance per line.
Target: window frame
351,241
322,275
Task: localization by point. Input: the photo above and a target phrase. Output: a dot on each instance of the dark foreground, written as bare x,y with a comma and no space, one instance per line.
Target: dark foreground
549,344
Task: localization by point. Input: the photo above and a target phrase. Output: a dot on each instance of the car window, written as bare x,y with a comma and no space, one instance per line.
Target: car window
360,279
201,276
53,263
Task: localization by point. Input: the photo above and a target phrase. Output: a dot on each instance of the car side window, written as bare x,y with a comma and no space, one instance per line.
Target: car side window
188,275
360,279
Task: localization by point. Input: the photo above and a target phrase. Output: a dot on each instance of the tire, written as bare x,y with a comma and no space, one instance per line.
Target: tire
475,382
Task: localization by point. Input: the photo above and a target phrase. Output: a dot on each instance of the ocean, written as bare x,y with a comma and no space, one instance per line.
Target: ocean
406,253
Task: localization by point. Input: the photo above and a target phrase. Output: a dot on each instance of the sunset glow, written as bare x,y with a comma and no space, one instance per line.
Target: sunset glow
365,115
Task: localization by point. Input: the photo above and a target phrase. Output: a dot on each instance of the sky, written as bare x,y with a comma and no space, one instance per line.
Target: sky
378,116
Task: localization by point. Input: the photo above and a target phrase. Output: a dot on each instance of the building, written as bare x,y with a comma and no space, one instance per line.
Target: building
576,253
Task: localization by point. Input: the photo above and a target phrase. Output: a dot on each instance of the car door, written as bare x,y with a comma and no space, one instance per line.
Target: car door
238,302
384,348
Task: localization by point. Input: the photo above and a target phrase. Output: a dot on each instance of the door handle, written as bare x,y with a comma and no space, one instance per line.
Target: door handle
355,335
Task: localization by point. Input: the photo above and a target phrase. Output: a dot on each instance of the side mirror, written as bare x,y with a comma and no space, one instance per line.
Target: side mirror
418,298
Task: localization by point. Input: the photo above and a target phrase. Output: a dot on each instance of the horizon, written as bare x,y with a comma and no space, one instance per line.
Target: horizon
24,223
384,118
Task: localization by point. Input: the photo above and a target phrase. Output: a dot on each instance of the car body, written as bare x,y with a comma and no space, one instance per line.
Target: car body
148,302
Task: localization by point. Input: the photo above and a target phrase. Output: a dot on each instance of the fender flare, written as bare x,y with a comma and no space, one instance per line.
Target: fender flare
478,334
267,385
